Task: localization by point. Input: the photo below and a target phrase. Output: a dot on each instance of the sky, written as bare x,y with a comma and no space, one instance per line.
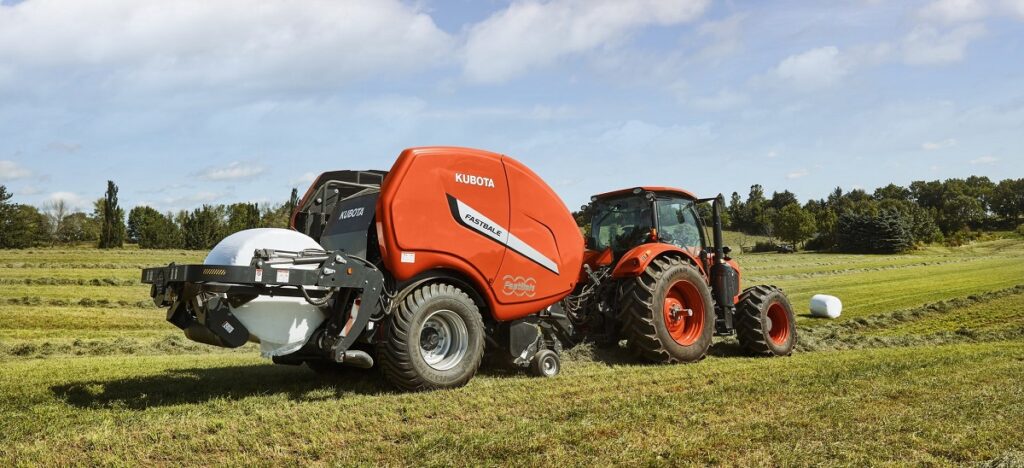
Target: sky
186,102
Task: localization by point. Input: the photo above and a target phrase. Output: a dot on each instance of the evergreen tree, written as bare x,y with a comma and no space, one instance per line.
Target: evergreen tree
112,229
885,232
203,228
242,216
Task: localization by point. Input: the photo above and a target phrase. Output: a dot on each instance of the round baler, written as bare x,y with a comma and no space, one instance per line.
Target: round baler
415,270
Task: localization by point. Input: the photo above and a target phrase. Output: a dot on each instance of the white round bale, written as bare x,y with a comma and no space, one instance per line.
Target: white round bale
823,305
281,325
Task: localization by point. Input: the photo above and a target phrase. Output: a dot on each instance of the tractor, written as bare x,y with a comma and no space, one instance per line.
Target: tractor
651,278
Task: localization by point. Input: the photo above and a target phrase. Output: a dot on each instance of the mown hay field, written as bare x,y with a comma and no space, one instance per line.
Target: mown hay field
925,366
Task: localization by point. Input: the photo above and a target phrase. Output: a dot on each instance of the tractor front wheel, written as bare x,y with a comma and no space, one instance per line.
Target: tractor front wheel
668,315
765,323
434,340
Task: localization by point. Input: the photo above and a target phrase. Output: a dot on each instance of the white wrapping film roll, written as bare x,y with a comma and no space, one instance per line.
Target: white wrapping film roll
282,325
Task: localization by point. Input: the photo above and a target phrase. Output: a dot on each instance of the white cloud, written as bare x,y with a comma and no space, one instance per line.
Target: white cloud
925,45
189,201
304,179
816,68
987,159
241,43
937,145
75,201
10,170
797,174
233,171
954,11
531,34
1015,6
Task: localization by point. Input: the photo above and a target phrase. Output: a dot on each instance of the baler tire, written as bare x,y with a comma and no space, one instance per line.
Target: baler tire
545,364
642,302
760,334
401,359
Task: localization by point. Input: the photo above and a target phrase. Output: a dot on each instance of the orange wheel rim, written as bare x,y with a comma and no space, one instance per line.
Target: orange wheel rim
684,313
779,330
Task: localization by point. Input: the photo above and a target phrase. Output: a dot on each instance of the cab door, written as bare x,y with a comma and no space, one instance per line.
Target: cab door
678,225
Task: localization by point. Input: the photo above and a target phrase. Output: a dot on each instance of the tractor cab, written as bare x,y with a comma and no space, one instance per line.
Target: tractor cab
625,219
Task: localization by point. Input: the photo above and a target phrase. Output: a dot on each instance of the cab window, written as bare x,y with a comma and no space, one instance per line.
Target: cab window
678,223
621,224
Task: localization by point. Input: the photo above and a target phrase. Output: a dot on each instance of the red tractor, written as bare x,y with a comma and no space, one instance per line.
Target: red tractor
654,281
453,251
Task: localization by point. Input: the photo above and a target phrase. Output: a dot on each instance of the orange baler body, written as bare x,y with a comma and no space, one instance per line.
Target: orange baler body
485,216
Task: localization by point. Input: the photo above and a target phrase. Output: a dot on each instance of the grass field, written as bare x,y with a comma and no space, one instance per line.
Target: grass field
926,366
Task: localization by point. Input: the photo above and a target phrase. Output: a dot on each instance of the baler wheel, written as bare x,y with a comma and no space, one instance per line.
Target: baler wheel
545,364
765,323
667,312
434,340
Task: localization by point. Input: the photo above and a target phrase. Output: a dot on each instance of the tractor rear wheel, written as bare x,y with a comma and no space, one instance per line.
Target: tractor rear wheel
667,313
434,340
765,323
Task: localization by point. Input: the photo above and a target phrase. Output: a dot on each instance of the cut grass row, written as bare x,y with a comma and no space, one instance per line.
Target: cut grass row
942,405
873,292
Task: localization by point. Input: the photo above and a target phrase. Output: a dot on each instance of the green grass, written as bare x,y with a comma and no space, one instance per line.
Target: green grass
926,366
926,405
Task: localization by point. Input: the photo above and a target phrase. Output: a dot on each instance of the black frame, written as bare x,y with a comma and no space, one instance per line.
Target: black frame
175,287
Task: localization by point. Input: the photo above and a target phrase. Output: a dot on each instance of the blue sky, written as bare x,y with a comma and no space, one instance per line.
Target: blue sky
184,102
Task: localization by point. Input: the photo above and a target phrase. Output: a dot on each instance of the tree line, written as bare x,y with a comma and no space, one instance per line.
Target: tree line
23,226
890,219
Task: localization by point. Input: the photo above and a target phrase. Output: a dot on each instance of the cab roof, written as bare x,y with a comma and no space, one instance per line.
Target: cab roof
659,190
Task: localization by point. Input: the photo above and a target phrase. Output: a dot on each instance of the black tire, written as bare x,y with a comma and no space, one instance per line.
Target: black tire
402,362
644,323
758,324
546,363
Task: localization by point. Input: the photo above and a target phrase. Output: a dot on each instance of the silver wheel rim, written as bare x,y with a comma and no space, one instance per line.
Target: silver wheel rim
549,366
444,340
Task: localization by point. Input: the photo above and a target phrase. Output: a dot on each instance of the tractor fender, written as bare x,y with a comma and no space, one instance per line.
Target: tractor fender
635,261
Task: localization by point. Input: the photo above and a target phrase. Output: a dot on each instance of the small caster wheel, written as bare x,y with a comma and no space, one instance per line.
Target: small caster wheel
545,364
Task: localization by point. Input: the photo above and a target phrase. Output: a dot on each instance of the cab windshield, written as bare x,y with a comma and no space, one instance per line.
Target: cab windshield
621,223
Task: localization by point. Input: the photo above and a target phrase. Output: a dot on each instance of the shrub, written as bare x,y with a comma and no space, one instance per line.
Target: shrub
962,237
885,232
1020,230
819,242
764,246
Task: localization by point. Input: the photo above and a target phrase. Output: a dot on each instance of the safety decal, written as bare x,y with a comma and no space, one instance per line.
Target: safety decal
476,221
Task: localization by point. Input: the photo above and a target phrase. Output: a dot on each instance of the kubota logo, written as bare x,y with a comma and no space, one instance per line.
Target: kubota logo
474,180
519,286
354,212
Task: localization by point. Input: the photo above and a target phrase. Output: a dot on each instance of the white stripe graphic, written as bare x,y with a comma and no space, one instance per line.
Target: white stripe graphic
481,223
